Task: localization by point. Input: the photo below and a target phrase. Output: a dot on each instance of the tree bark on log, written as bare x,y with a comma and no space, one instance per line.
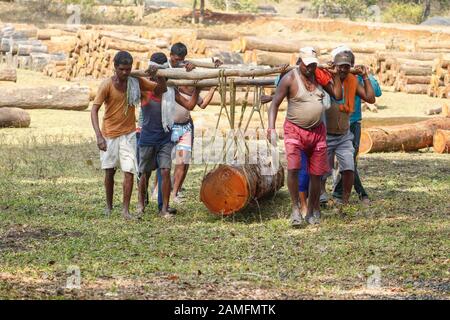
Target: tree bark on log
228,189
26,50
441,141
48,97
274,58
417,79
217,35
182,74
415,88
407,137
268,82
432,111
253,43
14,118
8,74
424,56
415,71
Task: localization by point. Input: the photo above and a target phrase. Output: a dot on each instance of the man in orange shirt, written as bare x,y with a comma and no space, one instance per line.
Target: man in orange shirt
117,138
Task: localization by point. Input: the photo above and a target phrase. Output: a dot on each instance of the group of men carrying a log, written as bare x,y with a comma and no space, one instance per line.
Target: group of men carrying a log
323,121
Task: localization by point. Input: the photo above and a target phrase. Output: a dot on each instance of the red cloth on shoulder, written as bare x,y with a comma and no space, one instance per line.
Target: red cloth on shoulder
323,77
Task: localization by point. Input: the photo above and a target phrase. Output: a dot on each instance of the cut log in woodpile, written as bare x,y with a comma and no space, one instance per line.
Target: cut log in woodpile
228,189
8,74
441,141
271,45
433,111
48,97
408,137
415,88
218,35
14,118
273,58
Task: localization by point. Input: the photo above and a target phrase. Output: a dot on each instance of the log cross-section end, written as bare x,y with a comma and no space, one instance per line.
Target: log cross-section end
224,190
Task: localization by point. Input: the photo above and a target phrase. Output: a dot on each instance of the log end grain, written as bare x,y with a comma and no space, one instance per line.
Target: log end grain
14,118
365,144
224,190
441,141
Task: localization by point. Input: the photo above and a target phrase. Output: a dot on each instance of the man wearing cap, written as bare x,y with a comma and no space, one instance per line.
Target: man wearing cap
304,130
339,137
355,129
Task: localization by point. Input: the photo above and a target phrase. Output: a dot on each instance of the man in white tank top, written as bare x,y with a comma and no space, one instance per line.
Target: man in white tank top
304,130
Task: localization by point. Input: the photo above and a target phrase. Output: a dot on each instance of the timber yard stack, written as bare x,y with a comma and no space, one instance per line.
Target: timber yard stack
72,53
30,48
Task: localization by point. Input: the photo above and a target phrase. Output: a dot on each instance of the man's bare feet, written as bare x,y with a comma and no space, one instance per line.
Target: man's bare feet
126,215
166,215
175,199
296,218
108,212
365,201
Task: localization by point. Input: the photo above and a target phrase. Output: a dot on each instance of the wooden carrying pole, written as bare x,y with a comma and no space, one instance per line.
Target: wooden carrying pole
266,82
179,73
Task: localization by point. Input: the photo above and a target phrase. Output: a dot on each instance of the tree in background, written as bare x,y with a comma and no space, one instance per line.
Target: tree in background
407,11
202,12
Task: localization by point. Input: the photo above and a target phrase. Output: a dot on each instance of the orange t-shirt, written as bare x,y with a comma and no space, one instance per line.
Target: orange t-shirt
115,121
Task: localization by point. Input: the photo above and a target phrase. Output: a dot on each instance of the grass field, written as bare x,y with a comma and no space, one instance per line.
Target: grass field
52,200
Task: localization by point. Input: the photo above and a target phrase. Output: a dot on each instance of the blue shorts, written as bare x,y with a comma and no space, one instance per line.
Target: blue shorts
303,175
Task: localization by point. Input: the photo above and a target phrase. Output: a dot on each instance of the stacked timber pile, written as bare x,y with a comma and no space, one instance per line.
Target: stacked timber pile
440,79
407,137
30,48
94,51
8,74
266,51
410,72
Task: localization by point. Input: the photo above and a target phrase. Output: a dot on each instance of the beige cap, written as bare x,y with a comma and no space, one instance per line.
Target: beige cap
308,55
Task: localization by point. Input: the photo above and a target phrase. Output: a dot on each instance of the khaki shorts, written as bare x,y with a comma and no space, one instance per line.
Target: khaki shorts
120,152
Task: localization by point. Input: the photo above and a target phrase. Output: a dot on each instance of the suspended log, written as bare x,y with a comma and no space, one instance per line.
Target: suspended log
441,141
14,118
48,97
228,189
8,74
407,137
